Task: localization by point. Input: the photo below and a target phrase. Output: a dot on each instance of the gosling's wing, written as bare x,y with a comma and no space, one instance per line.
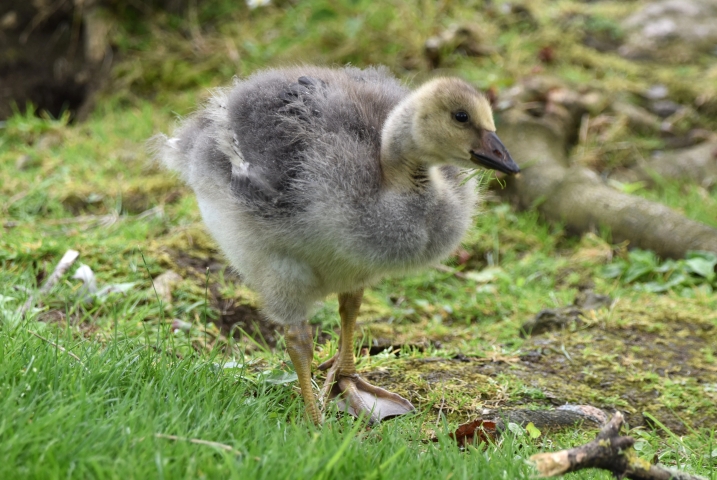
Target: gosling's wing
264,187
266,117
300,98
306,128
250,183
247,140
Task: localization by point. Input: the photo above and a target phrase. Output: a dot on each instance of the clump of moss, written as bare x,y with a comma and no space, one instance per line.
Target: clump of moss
646,354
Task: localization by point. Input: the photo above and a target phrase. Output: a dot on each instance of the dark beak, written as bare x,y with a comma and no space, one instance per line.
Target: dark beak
493,154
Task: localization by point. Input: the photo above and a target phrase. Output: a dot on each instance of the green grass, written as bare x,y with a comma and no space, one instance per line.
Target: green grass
107,415
143,376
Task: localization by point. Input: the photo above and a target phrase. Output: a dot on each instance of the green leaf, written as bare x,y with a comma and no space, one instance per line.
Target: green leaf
667,266
701,254
322,14
637,270
645,257
628,188
614,270
532,430
651,287
702,267
280,377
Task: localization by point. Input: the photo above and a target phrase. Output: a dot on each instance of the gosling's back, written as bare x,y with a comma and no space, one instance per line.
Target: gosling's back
281,138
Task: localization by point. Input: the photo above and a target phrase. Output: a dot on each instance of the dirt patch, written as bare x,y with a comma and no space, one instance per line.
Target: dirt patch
194,255
53,316
245,320
200,266
191,252
56,54
237,317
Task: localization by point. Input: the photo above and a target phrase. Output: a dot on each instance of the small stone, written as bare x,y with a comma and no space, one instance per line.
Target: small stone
656,92
594,102
638,118
181,325
164,283
463,39
664,108
690,25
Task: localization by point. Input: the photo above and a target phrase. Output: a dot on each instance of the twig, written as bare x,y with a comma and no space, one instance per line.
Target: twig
583,136
199,441
65,263
17,197
452,271
100,220
608,452
440,409
62,349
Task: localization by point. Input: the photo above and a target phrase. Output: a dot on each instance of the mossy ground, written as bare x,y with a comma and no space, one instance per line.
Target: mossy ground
456,344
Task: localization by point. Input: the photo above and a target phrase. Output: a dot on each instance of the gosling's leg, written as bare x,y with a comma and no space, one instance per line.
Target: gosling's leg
357,396
300,345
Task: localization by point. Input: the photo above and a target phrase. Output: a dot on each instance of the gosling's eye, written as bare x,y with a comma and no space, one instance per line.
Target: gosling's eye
461,116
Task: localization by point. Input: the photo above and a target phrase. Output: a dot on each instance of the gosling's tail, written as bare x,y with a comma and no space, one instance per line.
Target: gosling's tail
201,137
168,152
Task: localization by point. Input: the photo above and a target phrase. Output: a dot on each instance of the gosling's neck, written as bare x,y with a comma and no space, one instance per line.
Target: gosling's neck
403,167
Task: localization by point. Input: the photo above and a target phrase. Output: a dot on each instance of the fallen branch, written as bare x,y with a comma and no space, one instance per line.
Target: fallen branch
550,319
446,269
579,198
608,452
562,417
696,164
65,263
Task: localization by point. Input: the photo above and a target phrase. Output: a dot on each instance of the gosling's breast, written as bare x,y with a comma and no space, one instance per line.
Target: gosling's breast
404,229
449,214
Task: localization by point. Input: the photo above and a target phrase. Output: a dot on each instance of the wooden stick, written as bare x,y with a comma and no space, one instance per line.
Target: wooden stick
199,441
578,198
608,452
65,263
62,349
446,269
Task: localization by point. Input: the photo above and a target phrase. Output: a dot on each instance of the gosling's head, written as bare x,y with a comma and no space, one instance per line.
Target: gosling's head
453,123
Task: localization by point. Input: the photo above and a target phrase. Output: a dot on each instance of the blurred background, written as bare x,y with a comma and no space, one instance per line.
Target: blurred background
56,53
610,108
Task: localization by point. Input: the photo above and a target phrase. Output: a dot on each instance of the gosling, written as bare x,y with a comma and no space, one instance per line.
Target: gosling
316,181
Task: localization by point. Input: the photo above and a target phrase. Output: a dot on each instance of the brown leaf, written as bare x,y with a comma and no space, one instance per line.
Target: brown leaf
546,55
477,431
462,256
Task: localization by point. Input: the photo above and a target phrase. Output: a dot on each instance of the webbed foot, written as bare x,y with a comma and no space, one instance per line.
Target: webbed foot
359,398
